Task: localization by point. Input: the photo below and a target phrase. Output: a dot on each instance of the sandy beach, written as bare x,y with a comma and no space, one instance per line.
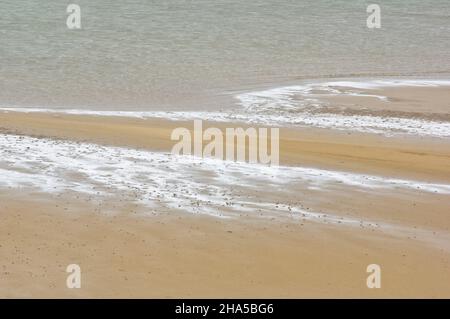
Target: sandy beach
339,201
224,149
193,256
404,156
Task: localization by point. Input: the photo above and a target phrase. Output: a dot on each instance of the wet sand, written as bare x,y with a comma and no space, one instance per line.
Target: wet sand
423,158
179,255
125,252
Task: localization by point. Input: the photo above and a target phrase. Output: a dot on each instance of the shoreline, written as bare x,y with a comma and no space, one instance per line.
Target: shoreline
224,149
104,192
389,107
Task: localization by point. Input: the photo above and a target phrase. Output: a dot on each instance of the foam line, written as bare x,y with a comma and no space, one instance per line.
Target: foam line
295,106
196,185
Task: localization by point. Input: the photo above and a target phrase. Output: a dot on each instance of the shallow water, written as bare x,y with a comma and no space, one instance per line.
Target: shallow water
177,54
308,105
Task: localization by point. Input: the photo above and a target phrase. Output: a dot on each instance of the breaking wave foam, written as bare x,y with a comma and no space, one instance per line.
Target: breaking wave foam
303,105
300,105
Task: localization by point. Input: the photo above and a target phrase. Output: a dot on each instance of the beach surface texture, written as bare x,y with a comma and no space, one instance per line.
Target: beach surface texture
358,184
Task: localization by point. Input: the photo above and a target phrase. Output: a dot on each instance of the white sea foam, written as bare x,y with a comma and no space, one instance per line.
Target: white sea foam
161,180
295,105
